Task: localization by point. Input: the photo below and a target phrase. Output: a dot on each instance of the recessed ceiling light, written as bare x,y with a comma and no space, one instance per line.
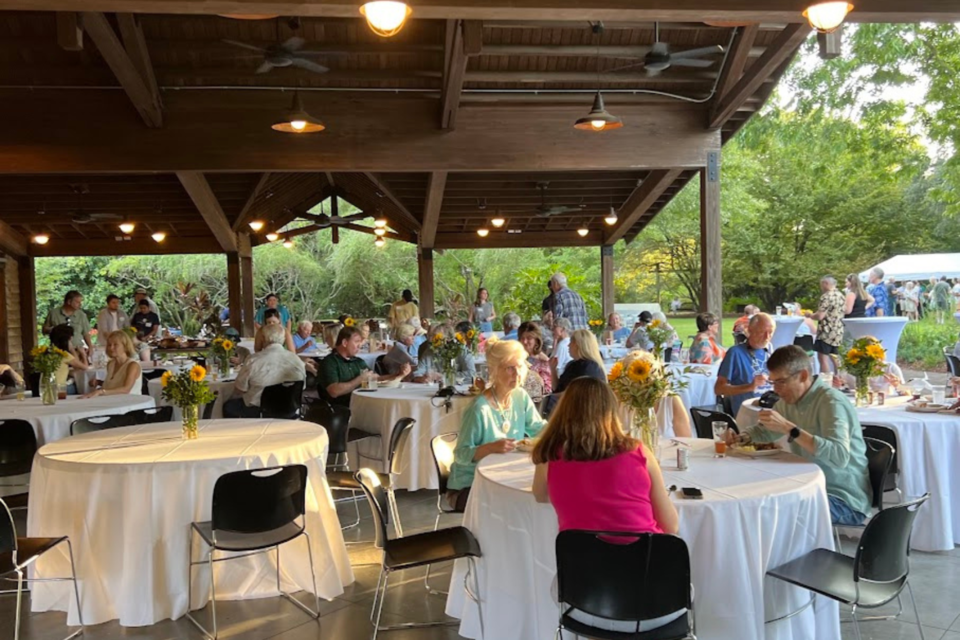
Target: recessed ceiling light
41,238
583,231
159,236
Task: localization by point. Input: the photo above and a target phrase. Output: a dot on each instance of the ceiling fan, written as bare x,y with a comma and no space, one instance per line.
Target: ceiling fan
545,210
284,54
82,217
324,221
660,58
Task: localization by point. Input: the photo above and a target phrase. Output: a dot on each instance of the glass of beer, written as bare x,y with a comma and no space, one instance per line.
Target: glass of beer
719,438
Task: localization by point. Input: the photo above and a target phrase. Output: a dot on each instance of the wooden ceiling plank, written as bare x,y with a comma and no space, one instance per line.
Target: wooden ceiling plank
134,246
408,217
436,185
69,31
737,58
247,211
504,240
206,202
11,241
640,200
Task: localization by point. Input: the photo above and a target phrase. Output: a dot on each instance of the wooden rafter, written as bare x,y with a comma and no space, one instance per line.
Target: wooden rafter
135,246
431,208
136,45
248,211
640,200
199,190
69,31
408,217
737,58
11,242
503,240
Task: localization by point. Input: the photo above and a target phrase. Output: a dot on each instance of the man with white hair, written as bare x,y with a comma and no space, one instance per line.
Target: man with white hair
562,329
271,365
567,303
743,372
878,290
303,338
511,322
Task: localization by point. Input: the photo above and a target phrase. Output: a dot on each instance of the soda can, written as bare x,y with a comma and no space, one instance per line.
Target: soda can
683,459
869,397
881,396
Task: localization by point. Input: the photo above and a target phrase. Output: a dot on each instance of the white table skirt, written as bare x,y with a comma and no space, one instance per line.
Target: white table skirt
887,330
126,498
224,389
52,422
378,411
701,380
755,515
785,332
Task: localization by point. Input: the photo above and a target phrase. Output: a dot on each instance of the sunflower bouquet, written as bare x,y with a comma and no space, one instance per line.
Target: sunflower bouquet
660,333
640,381
46,360
446,351
470,339
597,327
223,349
187,390
864,360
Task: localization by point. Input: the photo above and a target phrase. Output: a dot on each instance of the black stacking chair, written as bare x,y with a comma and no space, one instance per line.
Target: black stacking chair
379,367
888,435
147,377
804,342
644,579
953,363
97,423
703,417
16,554
149,416
874,576
253,511
442,448
18,445
409,552
208,408
879,458
282,401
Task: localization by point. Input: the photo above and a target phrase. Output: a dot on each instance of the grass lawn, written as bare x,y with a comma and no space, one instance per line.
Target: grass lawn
686,327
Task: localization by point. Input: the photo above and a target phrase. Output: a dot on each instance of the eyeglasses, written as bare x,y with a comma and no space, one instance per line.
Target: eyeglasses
783,380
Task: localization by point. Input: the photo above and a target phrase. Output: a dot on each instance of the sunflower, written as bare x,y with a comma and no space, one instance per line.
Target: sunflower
471,334
639,370
616,371
227,345
655,324
349,322
460,338
876,352
438,340
198,373
165,378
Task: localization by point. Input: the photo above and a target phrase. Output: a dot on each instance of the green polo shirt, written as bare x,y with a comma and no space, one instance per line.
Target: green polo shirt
78,320
335,368
841,453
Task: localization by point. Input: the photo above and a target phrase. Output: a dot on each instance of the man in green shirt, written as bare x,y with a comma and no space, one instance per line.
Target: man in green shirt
342,371
71,314
822,426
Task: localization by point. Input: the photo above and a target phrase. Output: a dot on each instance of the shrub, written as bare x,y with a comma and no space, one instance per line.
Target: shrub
922,343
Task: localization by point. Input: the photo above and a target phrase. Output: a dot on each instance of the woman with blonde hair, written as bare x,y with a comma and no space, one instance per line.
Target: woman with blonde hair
858,300
585,361
330,333
500,416
124,375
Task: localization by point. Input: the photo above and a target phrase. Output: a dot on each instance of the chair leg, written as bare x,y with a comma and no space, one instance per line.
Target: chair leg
856,623
313,574
472,562
916,614
213,596
426,578
16,622
376,594
383,596
76,590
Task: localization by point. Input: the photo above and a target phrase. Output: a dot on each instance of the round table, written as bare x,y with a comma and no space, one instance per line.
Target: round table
379,410
887,330
755,515
785,332
126,497
223,388
52,422
85,378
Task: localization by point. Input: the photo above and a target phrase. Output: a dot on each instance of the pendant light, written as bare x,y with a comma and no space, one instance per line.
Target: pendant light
272,236
498,220
41,238
611,218
582,232
380,231
159,236
386,17
599,119
379,243
297,120
256,225
288,244
380,223
127,227
826,17
483,232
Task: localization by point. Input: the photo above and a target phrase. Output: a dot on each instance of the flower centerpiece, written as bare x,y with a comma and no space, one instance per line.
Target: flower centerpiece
597,327
470,339
223,349
46,360
660,333
864,360
447,350
640,381
187,390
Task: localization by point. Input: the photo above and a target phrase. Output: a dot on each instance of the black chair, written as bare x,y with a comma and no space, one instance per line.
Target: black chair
442,448
876,574
726,405
888,435
804,342
879,458
149,416
147,377
409,552
253,511
282,401
739,338
96,423
703,417
953,363
208,408
18,445
642,580
16,554
379,367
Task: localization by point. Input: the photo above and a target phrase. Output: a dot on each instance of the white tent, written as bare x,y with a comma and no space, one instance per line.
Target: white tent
922,266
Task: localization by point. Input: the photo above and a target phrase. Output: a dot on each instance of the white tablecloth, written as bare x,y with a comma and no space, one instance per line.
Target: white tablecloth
224,389
786,331
755,515
126,497
699,391
379,410
52,422
887,330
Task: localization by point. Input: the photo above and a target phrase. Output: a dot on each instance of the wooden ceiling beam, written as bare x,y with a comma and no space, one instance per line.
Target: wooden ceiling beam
454,69
247,211
640,200
408,217
134,246
762,70
206,202
431,208
589,51
137,87
737,58
505,240
136,45
11,241
69,31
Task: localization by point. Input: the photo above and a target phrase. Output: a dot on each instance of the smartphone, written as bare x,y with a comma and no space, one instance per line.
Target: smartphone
692,493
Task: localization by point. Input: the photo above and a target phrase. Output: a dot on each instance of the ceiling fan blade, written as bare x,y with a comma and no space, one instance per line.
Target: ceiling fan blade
697,53
293,44
244,45
626,66
652,73
691,62
356,216
309,65
265,67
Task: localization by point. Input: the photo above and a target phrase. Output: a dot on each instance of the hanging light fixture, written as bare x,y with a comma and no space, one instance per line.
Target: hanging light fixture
498,221
297,120
611,218
288,244
273,236
386,17
483,232
380,223
127,227
379,243
826,17
256,225
159,236
582,232
380,231
41,238
599,119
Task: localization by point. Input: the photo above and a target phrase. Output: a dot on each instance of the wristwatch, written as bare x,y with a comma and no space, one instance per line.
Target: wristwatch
794,434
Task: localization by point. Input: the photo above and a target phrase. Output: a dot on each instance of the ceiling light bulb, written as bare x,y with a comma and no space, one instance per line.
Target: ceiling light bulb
380,231
41,238
611,218
483,232
583,231
297,120
256,225
288,244
498,222
598,125
380,223
127,227
379,242
272,237
599,119
159,236
386,17
827,16
299,125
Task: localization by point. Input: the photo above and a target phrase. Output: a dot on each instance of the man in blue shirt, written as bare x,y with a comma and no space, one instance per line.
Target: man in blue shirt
743,372
511,323
878,290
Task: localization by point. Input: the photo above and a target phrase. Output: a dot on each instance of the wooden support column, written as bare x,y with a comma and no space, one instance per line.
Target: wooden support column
425,269
711,276
28,303
234,291
606,279
248,295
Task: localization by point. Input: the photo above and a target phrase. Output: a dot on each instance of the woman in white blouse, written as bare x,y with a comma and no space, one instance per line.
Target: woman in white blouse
124,375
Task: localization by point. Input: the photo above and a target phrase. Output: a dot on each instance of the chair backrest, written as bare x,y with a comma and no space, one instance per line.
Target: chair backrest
739,338
208,408
8,530
18,445
379,367
377,499
623,576
953,364
398,440
703,417
883,553
282,401
886,434
804,342
442,447
879,457
149,416
334,418
258,500
96,423
147,376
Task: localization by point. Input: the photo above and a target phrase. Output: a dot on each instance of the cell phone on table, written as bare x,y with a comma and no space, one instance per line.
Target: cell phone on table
692,493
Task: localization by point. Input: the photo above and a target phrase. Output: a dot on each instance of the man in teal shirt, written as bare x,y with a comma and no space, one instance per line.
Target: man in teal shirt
822,426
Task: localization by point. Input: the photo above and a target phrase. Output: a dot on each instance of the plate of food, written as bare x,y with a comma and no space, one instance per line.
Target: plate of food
923,406
389,384
757,449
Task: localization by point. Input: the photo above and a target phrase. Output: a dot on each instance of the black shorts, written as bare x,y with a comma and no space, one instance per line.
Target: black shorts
827,349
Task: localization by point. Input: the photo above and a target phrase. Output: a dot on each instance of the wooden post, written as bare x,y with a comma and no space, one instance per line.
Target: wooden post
247,295
606,280
4,314
711,277
425,269
28,303
234,291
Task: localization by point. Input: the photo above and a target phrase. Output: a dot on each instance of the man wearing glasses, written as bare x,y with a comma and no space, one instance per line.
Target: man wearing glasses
822,426
71,314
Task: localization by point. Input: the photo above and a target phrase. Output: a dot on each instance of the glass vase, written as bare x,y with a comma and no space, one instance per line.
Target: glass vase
191,421
862,397
645,429
224,365
48,388
450,373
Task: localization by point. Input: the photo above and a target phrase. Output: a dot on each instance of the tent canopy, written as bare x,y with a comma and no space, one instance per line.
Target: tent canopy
919,266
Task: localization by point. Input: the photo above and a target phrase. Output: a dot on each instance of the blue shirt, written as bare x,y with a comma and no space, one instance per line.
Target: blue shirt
512,335
739,366
622,334
568,304
284,315
879,293
299,342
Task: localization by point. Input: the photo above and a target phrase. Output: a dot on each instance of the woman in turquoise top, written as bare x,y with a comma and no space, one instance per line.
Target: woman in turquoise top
503,414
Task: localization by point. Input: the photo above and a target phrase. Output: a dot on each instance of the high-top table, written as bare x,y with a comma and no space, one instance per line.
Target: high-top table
756,514
785,332
887,330
52,422
126,498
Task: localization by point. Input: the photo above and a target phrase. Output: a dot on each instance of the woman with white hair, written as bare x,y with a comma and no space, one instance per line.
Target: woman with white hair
500,416
399,354
302,339
910,300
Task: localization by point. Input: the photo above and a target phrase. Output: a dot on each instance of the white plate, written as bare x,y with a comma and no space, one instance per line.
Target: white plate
930,408
755,454
390,384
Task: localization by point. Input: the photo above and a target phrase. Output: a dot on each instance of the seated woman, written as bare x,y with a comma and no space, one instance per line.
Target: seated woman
272,316
585,361
399,354
429,369
499,417
124,375
599,479
9,379
61,337
705,349
330,333
539,382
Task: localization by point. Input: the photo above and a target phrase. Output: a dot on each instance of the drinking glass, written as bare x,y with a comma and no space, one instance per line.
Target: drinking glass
21,390
719,438
779,310
939,395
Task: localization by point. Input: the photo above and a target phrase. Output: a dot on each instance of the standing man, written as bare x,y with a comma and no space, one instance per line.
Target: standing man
110,319
878,290
146,322
141,294
567,303
71,314
743,372
891,297
829,317
272,301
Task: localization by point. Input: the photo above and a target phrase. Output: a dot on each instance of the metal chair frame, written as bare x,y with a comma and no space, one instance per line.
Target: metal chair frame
29,452
876,500
442,440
